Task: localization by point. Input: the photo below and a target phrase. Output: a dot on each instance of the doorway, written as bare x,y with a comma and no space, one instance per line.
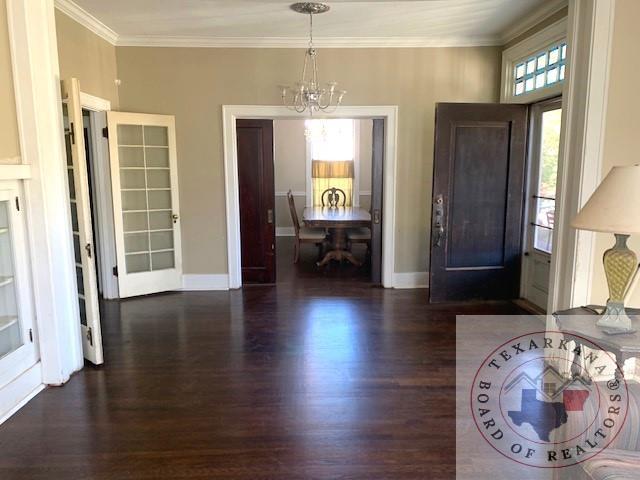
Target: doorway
286,170
387,117
540,207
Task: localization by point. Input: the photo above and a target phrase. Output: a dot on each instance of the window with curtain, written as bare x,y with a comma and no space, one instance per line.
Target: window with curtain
332,145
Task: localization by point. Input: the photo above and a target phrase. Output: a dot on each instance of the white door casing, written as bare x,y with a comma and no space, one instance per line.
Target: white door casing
144,180
82,228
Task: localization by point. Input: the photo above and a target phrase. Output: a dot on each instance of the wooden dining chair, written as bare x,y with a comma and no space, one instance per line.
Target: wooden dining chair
303,234
333,197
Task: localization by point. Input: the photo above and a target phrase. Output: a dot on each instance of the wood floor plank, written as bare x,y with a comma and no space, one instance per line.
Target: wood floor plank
321,377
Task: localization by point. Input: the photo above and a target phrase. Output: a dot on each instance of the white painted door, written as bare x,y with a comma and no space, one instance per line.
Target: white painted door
18,348
80,206
541,200
144,179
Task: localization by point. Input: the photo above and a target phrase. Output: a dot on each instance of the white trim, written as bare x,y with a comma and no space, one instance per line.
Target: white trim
195,282
285,232
411,280
295,194
93,103
16,171
533,44
580,166
19,391
303,42
84,18
32,35
538,15
232,112
365,193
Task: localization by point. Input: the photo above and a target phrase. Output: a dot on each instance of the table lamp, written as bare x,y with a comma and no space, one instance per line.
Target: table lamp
615,208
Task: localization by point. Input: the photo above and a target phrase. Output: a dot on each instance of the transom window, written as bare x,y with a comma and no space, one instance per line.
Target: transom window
543,69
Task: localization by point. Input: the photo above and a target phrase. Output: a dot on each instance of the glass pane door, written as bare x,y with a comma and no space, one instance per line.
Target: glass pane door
144,181
546,120
545,196
11,337
147,207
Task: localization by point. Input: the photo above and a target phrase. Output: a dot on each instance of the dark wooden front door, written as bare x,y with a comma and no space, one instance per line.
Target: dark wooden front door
257,200
478,194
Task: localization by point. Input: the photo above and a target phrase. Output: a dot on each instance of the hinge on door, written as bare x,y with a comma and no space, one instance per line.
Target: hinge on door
115,271
72,134
90,336
17,203
31,335
105,132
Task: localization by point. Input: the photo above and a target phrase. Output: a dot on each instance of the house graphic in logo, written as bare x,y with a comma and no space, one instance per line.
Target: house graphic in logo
546,400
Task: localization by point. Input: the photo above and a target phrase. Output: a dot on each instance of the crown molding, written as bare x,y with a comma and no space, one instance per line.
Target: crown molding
84,18
529,21
303,42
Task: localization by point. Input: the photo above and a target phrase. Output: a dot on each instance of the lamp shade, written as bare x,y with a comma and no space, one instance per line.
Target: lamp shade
615,205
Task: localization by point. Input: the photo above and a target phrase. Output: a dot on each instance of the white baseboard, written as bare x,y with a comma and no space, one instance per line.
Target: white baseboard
192,281
411,280
285,232
18,392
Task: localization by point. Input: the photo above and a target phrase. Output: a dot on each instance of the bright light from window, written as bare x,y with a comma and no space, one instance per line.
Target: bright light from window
331,139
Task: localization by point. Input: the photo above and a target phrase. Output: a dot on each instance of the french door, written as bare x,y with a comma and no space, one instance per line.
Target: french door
544,137
144,182
82,229
18,348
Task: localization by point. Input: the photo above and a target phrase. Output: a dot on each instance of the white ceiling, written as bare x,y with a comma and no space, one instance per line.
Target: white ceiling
272,23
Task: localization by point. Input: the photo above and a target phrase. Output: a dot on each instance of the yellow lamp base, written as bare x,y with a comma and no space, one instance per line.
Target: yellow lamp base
620,264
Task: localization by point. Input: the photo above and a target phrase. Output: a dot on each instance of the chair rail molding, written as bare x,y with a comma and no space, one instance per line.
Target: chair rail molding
230,113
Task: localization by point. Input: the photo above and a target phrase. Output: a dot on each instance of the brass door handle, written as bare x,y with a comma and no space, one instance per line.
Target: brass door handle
175,218
270,216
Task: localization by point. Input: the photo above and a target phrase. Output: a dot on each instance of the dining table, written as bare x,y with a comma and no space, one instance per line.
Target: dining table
337,221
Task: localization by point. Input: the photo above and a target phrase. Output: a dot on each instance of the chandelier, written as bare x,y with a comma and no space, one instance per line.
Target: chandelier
307,94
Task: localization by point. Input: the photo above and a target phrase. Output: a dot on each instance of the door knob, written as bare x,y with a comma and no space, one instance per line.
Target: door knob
175,217
376,216
270,216
87,247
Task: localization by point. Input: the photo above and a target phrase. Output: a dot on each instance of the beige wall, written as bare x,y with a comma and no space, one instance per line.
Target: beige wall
622,131
193,84
87,57
290,165
9,140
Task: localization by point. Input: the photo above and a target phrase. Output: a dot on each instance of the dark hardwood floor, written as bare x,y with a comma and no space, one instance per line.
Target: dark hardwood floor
321,376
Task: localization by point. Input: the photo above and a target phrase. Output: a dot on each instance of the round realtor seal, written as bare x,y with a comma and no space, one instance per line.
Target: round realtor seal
549,399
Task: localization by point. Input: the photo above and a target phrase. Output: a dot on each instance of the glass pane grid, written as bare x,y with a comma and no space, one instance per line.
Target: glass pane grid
545,203
540,70
146,193
10,328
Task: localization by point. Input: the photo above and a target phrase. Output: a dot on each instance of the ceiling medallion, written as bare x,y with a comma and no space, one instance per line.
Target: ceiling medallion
307,94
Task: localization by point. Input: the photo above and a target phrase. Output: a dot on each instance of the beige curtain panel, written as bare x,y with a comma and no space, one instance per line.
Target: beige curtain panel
327,174
332,169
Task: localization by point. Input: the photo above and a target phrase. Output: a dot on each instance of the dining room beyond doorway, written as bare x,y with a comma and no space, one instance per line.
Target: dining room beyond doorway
310,198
